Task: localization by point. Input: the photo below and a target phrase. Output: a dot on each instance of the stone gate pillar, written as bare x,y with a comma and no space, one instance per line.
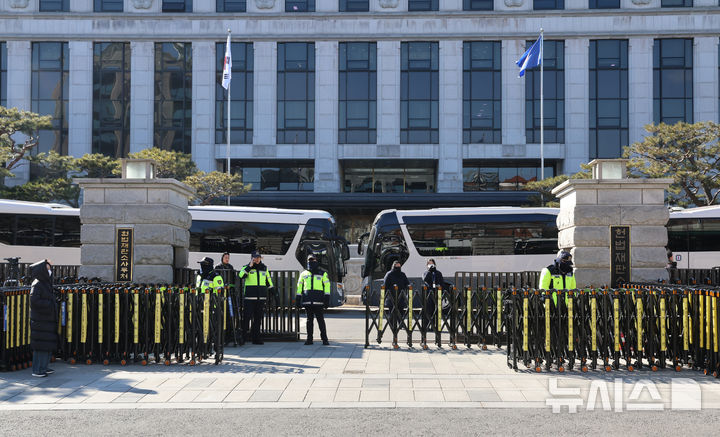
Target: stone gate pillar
591,208
156,212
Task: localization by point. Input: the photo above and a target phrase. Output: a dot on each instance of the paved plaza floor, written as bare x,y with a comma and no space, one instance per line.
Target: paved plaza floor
347,375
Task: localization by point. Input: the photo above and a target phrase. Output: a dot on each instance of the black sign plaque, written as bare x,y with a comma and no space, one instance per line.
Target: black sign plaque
124,255
619,255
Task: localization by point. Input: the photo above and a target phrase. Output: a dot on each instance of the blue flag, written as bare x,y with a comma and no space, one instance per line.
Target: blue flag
532,57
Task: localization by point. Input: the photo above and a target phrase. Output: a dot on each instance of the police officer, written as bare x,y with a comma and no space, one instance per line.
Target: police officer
559,275
395,278
225,262
255,290
432,279
313,292
208,278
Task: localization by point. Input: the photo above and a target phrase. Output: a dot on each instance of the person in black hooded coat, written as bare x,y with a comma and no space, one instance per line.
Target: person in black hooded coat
43,318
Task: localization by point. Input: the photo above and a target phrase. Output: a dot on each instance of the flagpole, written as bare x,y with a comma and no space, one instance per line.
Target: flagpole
227,147
542,110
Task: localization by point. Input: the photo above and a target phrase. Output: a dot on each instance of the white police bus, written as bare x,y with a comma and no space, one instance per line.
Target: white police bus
507,239
283,236
495,239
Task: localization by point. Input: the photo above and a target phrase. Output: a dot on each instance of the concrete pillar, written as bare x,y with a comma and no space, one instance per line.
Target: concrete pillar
149,6
640,4
388,100
82,6
19,57
705,79
577,102
588,207
203,6
513,93
80,104
640,87
577,5
20,7
326,6
327,169
449,178
451,5
142,95
203,107
265,6
513,5
265,93
156,210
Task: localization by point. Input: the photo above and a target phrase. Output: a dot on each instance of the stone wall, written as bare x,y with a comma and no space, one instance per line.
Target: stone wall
155,209
588,207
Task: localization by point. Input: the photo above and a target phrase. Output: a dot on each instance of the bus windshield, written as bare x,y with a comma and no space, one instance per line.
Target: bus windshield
385,245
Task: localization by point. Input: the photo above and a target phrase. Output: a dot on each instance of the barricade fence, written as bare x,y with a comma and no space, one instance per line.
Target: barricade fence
137,323
638,326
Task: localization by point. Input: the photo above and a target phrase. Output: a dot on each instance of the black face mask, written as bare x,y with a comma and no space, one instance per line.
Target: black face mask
431,267
312,265
396,268
565,267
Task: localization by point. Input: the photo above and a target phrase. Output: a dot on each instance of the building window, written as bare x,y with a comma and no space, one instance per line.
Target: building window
676,3
231,6
673,80
241,88
177,5
300,5
608,98
554,90
423,5
276,175
49,94
173,96
389,177
419,95
482,92
354,5
357,94
493,176
478,5
108,5
548,4
3,74
604,4
54,5
111,99
296,93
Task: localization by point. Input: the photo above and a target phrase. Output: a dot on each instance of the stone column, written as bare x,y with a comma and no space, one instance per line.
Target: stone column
81,5
577,5
19,56
147,6
327,168
451,5
142,95
203,106
577,102
80,104
265,93
640,4
588,207
203,6
22,7
265,6
449,178
388,100
157,211
640,87
705,78
513,5
326,6
513,93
